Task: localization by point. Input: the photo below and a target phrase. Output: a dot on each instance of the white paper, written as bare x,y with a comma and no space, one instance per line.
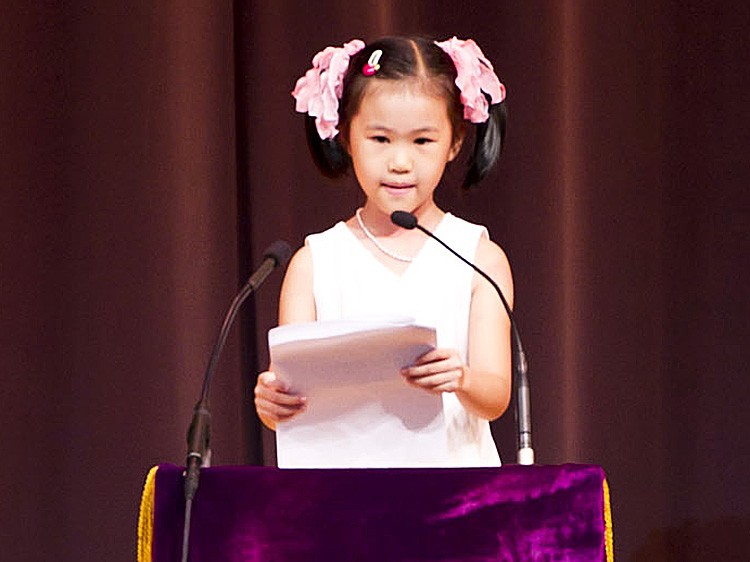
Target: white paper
360,411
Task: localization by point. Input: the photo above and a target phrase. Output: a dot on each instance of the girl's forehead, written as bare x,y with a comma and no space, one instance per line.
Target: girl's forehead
409,87
394,107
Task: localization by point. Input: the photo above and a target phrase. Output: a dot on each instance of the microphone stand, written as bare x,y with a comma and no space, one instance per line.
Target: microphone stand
525,451
199,432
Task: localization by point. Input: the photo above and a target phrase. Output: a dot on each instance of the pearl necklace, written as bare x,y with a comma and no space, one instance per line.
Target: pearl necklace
371,238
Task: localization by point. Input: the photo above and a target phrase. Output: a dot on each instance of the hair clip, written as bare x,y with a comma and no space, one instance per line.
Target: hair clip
373,63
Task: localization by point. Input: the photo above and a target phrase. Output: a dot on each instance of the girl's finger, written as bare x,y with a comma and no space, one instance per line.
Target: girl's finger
277,412
276,397
270,380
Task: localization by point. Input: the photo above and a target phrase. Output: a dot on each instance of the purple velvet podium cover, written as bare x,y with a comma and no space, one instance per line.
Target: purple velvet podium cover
249,514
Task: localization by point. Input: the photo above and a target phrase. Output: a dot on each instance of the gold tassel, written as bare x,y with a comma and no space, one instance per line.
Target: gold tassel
609,536
146,517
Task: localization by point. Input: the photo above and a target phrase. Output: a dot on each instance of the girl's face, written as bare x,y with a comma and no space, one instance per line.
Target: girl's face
400,141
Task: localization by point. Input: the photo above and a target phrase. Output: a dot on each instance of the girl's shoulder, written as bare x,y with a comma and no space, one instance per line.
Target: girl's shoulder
301,262
334,232
330,246
491,259
491,255
457,222
460,231
488,255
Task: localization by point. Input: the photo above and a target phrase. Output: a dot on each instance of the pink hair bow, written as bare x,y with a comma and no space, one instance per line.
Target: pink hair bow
319,90
475,75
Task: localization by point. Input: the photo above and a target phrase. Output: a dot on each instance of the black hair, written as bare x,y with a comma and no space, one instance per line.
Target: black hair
488,145
329,156
407,57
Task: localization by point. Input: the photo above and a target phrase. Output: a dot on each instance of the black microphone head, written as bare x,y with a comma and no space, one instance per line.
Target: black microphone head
404,219
279,251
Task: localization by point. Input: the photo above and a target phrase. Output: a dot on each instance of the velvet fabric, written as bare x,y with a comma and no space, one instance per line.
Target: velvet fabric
248,514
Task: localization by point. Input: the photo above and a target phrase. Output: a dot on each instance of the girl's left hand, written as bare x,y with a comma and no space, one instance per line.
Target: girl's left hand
439,370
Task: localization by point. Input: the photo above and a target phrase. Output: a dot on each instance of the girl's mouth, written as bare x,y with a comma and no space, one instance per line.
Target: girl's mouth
398,186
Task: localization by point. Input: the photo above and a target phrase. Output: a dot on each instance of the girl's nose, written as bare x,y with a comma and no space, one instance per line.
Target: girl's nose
400,162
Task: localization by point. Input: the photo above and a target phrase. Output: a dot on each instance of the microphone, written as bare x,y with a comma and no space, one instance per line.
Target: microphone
525,453
199,432
198,437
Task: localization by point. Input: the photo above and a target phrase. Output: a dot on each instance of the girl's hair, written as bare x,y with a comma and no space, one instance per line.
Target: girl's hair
408,58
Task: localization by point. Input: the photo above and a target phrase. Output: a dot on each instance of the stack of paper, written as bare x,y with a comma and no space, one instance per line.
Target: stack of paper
360,410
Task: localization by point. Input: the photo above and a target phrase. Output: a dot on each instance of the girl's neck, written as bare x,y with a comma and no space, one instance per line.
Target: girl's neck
379,223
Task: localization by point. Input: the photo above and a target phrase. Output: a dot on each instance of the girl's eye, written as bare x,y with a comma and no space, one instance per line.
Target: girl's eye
424,140
379,139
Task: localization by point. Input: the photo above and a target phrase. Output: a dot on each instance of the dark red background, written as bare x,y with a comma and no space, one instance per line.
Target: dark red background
149,153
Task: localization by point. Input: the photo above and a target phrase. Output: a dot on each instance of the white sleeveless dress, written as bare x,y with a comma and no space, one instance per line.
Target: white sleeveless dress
435,290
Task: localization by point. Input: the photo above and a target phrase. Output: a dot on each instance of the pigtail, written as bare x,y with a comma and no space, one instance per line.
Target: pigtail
488,145
328,154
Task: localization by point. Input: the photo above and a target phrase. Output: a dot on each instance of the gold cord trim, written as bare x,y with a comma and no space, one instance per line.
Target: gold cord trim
146,517
609,536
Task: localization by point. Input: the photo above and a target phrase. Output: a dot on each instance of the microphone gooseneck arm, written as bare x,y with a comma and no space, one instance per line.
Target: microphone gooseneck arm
199,432
525,452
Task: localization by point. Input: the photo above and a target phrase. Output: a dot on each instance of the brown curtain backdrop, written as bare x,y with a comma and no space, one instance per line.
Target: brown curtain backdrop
149,153
119,256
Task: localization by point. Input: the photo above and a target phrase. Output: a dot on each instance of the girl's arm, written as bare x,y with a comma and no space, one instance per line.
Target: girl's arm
274,400
482,386
486,385
296,303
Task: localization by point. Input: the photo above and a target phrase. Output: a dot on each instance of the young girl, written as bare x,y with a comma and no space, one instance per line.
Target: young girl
397,112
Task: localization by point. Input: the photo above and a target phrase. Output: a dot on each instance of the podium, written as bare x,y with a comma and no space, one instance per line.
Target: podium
254,514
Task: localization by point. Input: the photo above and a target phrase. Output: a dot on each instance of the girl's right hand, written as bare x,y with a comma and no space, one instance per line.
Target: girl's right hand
274,400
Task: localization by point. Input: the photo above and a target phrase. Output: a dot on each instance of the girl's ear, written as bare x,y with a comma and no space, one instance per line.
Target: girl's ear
456,146
343,140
